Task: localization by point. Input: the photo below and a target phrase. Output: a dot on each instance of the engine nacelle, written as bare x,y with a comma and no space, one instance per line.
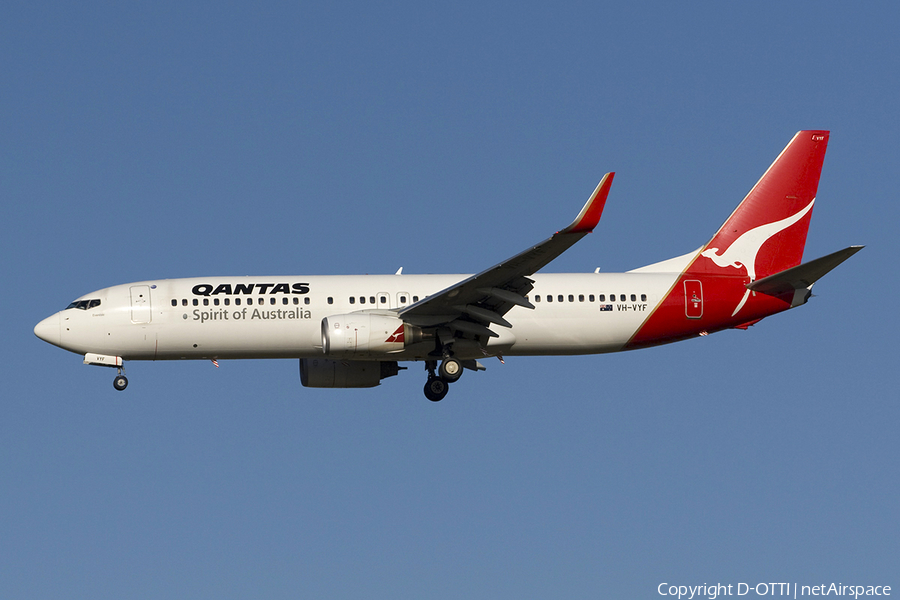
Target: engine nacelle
327,373
366,334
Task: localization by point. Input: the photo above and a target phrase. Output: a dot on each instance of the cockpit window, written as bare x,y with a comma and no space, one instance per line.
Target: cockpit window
84,304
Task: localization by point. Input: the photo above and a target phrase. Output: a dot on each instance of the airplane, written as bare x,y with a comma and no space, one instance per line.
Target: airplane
353,331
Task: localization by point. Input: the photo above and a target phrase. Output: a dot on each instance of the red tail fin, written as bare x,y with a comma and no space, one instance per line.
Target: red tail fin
767,232
763,236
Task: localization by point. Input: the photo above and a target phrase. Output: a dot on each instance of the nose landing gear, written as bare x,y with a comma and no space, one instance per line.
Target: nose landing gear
120,382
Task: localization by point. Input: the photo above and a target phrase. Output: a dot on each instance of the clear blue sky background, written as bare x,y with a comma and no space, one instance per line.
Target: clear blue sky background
174,139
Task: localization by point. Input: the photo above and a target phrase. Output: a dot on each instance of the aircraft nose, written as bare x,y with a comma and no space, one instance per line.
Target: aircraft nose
48,330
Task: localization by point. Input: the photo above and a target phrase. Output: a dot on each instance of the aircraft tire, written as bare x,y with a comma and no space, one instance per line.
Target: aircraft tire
436,388
120,382
450,370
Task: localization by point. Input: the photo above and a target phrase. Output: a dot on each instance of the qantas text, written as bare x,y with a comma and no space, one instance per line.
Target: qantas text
208,289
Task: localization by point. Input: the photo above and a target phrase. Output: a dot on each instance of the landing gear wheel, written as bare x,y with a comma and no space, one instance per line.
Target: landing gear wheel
436,388
450,370
120,382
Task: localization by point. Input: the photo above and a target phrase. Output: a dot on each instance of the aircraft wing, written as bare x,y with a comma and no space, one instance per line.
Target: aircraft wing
476,302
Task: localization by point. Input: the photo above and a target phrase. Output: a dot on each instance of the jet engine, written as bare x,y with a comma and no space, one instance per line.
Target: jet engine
364,334
327,373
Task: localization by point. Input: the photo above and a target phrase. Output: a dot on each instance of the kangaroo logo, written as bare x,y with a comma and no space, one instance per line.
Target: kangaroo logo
397,336
742,251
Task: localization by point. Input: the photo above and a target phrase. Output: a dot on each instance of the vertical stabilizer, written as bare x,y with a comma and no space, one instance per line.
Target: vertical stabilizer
765,235
767,232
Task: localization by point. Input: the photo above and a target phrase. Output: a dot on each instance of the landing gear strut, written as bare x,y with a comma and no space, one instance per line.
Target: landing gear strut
438,384
120,382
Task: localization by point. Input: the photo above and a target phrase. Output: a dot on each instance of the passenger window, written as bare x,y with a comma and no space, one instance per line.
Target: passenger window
633,298
602,297
306,300
537,297
272,300
237,301
402,299
560,297
195,302
549,298
227,301
571,298
330,300
415,299
591,298
362,299
382,299
371,299
352,300
581,297
174,302
621,297
206,302
249,301
284,300
216,301
643,297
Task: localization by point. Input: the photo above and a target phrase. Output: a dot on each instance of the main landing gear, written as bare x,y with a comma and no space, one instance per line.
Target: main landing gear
120,382
438,384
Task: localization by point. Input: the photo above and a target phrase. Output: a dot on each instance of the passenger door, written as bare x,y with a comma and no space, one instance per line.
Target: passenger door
140,304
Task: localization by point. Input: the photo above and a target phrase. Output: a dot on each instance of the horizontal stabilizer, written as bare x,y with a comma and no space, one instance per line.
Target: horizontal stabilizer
802,276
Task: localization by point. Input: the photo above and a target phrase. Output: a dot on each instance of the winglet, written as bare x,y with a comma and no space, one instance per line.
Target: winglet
589,216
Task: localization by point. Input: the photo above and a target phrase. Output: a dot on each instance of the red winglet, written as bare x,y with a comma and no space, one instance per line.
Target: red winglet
589,216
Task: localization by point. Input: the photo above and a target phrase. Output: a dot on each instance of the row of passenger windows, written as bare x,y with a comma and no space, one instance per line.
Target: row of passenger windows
402,299
590,297
85,304
237,301
272,300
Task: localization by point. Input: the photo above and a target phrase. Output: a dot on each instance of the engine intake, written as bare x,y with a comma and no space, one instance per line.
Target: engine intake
366,334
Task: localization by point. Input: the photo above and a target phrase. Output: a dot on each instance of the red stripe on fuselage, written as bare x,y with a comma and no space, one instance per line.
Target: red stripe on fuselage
673,321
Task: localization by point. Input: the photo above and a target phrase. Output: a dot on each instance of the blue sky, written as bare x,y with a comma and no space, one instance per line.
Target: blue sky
181,139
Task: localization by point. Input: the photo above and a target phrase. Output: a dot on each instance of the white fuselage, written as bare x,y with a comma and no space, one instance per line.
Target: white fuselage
168,319
352,331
